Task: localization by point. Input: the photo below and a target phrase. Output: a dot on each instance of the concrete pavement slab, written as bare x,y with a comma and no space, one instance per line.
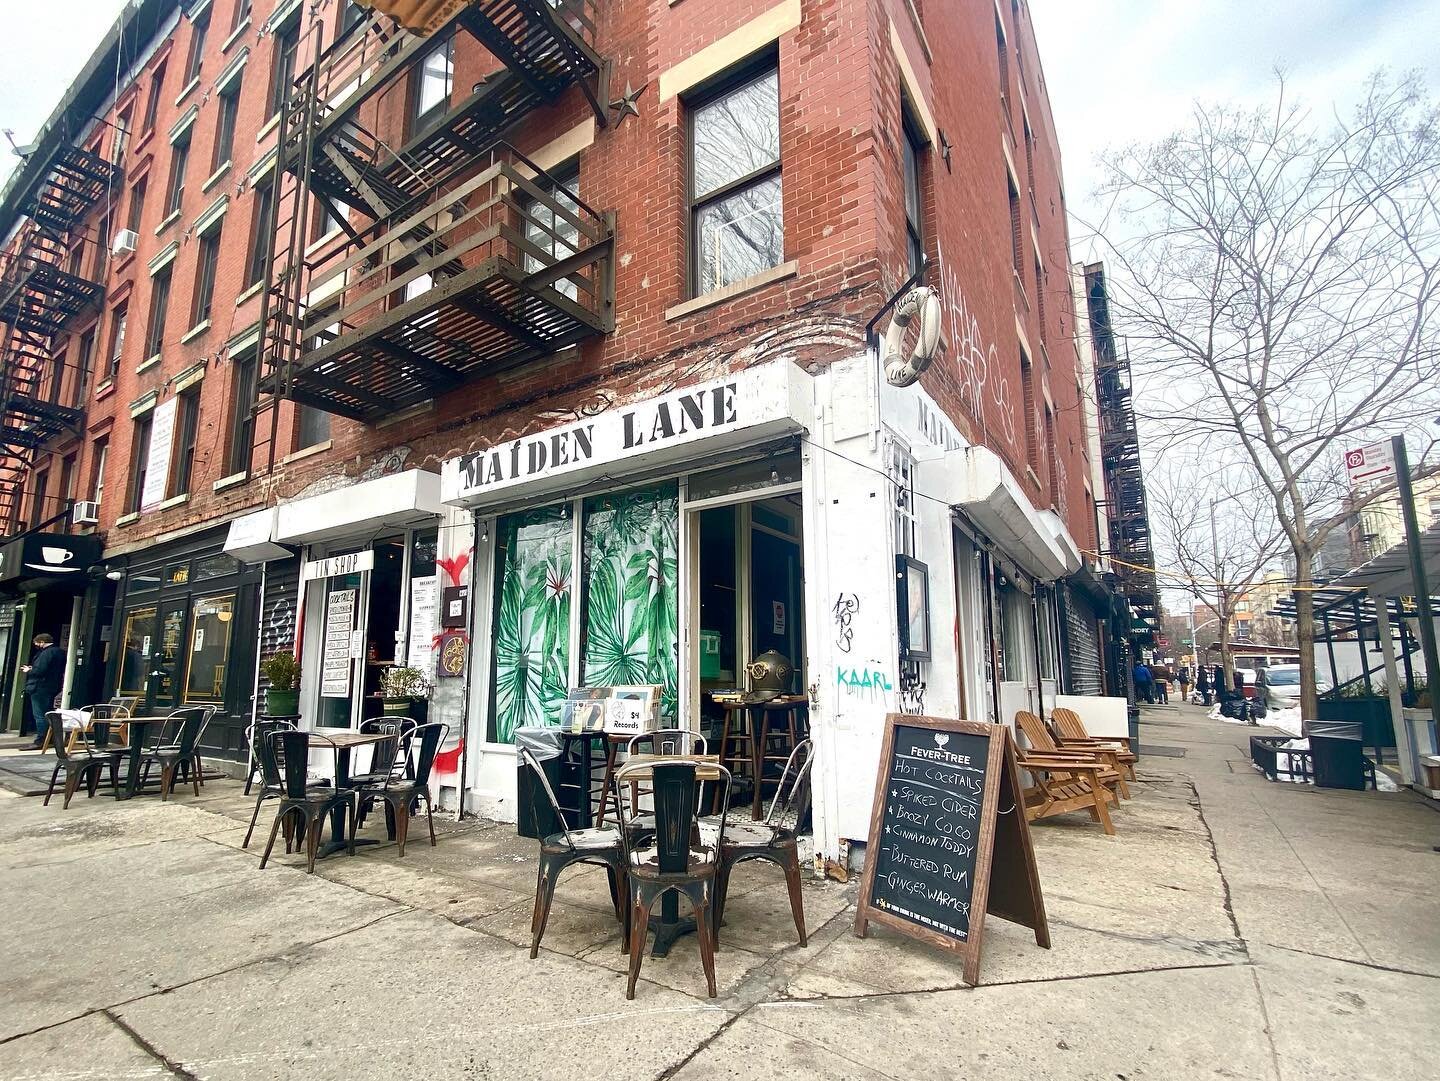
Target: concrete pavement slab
417,997
90,1048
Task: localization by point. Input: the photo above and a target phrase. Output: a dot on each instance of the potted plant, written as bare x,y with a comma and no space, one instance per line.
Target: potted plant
282,684
404,691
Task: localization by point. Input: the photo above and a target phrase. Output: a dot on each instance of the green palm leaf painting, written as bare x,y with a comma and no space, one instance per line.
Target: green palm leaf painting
532,621
632,575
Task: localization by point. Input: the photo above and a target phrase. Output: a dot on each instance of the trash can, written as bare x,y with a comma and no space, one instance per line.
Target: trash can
534,817
1337,753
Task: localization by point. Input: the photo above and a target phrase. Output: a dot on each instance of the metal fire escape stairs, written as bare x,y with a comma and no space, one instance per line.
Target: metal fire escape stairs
39,298
432,279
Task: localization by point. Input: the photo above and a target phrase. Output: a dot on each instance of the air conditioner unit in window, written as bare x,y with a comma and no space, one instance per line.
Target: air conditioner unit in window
86,512
125,241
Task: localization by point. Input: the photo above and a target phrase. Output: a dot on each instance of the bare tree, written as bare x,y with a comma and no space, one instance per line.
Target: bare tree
1211,544
1275,275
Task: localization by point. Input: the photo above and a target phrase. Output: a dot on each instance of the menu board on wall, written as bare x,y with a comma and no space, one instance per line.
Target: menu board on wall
157,464
335,660
948,837
423,623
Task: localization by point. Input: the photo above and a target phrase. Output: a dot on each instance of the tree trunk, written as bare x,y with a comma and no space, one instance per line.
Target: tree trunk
1226,663
1305,636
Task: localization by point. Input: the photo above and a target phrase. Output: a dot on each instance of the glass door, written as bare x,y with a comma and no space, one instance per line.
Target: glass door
340,607
167,670
137,647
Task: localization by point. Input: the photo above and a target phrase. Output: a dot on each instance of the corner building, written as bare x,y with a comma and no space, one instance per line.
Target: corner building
531,351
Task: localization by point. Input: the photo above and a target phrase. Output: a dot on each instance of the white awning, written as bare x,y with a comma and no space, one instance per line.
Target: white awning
359,510
974,480
252,538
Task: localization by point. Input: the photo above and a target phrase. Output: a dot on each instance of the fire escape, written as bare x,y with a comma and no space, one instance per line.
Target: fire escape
456,257
1130,545
40,295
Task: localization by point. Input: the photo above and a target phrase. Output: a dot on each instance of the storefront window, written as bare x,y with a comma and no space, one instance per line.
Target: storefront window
177,574
424,600
530,675
745,477
211,625
136,644
632,579
217,566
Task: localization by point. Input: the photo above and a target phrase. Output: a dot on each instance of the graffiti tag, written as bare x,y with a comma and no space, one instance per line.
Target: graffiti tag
863,682
846,605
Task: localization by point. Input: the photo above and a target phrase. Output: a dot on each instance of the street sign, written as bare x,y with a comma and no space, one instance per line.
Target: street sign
1372,463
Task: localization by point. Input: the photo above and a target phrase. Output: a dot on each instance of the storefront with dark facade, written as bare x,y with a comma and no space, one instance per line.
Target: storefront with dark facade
184,633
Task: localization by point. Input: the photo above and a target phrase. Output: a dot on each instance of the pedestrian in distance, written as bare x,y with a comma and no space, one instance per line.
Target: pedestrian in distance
43,677
1144,689
1202,685
1183,678
1160,682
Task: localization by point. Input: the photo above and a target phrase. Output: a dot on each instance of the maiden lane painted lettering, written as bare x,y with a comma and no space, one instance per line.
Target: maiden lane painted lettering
712,407
527,457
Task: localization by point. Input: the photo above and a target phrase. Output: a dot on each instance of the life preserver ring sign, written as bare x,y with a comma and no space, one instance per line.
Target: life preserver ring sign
903,367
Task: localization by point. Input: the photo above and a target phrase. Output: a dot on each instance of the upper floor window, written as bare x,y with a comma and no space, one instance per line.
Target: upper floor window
159,308
121,140
242,420
433,81
117,337
139,462
207,262
737,223
196,56
242,14
137,204
97,475
911,147
187,427
225,126
179,159
84,364
262,224
152,102
287,51
549,231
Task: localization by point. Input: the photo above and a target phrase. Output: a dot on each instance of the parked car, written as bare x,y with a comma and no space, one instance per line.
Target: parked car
1282,686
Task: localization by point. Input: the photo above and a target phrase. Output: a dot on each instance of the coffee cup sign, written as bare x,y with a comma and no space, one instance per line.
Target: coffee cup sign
948,838
57,556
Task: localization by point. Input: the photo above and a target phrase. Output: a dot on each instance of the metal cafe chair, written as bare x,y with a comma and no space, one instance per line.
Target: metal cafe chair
775,838
386,763
401,793
662,741
600,846
288,752
272,780
79,763
674,861
172,757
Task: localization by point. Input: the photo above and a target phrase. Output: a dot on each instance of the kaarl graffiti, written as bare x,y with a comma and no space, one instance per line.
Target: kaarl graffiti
863,682
846,605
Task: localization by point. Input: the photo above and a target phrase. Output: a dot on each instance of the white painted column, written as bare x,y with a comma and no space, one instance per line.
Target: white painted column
1392,682
71,646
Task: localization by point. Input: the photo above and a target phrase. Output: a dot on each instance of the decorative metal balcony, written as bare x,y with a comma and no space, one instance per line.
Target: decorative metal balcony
492,271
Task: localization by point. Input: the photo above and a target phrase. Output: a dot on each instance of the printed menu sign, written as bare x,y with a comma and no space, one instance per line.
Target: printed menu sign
335,660
948,837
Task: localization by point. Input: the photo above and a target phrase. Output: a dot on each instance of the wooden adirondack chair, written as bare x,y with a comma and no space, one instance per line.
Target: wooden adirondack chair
1071,734
1037,734
1066,782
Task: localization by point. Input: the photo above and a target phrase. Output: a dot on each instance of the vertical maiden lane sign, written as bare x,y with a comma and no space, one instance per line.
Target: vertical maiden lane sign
745,404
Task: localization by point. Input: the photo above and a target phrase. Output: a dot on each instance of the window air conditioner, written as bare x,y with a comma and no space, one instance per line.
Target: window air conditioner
87,511
125,241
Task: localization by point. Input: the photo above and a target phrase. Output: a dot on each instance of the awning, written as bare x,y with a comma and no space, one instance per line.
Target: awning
975,482
252,538
1388,574
39,561
359,510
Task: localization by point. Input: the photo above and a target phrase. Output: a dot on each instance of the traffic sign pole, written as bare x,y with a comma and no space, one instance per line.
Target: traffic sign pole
1417,567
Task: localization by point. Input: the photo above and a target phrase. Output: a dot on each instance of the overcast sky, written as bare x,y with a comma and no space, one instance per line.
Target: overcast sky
43,46
1128,70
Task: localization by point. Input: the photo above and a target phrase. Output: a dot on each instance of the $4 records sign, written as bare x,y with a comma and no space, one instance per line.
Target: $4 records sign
948,837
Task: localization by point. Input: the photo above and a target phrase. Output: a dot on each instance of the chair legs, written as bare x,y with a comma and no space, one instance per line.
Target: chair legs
548,874
643,895
54,776
311,822
255,817
787,858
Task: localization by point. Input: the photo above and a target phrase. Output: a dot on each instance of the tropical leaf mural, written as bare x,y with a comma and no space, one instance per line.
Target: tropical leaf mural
532,621
632,574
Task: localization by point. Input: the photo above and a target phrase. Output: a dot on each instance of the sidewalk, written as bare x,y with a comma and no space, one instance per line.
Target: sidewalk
1233,927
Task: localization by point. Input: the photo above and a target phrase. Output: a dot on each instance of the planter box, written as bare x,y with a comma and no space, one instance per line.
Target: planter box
1373,714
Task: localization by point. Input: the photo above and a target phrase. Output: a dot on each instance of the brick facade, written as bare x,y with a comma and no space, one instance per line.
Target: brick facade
841,85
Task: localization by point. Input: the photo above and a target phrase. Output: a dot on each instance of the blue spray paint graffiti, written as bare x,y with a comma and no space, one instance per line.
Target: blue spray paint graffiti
864,682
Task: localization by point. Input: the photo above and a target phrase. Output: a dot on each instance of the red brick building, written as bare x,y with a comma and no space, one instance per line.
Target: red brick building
359,292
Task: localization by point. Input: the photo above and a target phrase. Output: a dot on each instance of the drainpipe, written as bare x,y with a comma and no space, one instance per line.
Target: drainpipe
469,669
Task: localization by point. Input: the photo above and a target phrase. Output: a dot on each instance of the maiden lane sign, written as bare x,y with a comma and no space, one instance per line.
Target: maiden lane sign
741,407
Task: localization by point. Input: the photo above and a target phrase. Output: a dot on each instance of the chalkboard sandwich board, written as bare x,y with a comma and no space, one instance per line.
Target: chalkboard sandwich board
948,837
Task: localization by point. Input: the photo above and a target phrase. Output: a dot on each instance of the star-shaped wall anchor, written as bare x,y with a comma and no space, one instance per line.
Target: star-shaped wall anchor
627,105
945,147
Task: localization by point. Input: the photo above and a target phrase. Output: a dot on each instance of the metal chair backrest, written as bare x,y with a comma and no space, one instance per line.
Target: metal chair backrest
123,704
258,736
193,720
674,791
667,741
392,756
290,750
534,763
792,795
429,737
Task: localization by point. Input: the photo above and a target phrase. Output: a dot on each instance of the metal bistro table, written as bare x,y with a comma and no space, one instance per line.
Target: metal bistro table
344,740
137,729
671,926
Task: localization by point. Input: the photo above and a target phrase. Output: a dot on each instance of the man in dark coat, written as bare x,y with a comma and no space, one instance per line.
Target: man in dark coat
43,677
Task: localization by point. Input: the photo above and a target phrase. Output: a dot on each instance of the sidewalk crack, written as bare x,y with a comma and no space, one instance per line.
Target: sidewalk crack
176,1070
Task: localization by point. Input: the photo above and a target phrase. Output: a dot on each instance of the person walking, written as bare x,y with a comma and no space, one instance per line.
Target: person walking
43,677
1160,682
1143,686
1184,680
1202,684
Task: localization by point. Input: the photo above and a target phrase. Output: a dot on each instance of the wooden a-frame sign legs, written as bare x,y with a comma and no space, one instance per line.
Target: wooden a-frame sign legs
949,841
